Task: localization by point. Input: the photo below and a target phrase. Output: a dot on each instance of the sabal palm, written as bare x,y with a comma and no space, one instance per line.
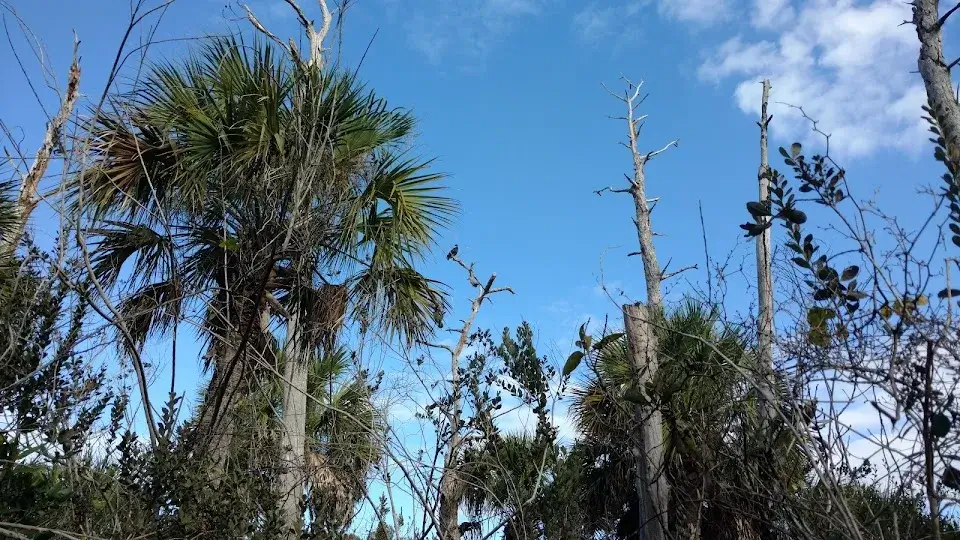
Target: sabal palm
702,396
344,434
239,177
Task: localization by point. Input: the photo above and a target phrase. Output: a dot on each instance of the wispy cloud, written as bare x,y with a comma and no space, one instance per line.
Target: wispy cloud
464,31
848,65
619,21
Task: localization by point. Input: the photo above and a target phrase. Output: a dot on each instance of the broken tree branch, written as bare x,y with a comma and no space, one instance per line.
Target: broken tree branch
28,199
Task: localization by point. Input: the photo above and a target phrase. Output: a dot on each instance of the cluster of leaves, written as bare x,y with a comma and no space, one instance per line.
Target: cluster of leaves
836,291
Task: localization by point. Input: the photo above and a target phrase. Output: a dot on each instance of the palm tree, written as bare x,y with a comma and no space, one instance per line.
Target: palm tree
240,187
706,405
344,433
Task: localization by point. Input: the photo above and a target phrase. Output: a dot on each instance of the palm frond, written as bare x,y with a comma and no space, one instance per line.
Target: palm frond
121,241
9,216
402,204
152,309
398,299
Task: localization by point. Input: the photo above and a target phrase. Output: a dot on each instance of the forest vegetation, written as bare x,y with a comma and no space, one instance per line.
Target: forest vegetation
260,196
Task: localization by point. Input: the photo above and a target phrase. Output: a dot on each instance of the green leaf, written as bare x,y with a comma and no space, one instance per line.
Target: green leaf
939,425
758,209
606,340
849,273
634,395
573,361
794,216
795,150
822,294
583,332
801,262
819,336
817,316
230,244
784,153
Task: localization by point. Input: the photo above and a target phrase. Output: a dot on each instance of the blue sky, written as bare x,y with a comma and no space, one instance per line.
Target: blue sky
509,97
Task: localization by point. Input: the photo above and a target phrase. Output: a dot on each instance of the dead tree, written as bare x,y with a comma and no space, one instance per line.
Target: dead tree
935,72
28,197
452,481
765,330
651,481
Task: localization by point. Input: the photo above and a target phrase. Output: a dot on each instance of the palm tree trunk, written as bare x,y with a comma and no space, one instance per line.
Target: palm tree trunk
294,427
217,420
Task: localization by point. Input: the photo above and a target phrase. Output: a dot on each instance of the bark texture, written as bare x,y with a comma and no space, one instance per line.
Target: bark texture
28,198
294,426
651,479
935,72
764,279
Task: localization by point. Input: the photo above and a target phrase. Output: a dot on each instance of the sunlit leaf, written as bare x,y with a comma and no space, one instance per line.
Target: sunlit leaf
572,363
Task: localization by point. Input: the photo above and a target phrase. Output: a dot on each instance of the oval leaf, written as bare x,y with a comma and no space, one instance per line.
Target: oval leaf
634,395
849,273
795,149
939,425
607,339
572,363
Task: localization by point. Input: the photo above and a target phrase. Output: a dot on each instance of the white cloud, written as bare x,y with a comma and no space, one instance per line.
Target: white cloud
771,13
593,24
847,64
619,22
465,29
698,12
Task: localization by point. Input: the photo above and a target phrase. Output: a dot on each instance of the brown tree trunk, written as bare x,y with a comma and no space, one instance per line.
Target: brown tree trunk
216,423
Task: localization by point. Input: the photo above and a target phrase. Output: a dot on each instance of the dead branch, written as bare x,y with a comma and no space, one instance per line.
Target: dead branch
28,198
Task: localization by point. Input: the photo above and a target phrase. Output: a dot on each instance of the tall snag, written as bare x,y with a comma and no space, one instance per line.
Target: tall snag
651,482
935,72
764,277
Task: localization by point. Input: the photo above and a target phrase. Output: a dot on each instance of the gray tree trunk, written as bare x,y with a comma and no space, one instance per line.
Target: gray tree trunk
652,486
765,328
764,279
294,441
651,479
936,75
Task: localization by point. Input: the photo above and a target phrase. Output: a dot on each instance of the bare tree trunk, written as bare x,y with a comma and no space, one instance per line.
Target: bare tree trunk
764,279
929,472
27,199
651,482
651,479
936,74
765,328
294,426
